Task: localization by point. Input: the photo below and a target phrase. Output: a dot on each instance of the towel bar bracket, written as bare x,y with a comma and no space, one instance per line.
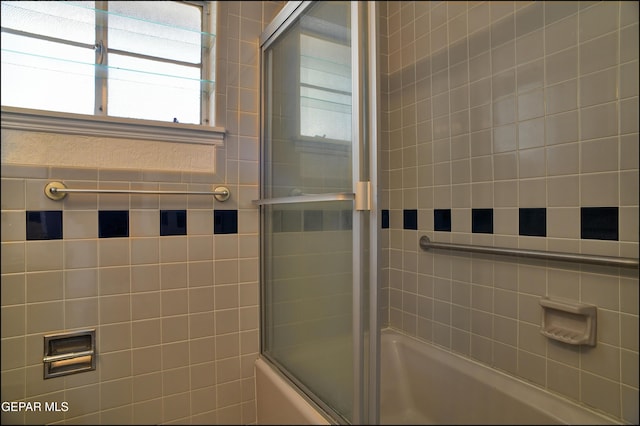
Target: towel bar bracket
51,190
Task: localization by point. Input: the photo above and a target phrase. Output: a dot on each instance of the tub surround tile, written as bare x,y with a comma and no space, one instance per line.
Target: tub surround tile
331,220
225,222
346,219
482,221
312,221
599,223
442,220
48,224
13,192
107,397
533,222
173,222
303,221
113,223
291,221
44,225
410,219
80,224
552,148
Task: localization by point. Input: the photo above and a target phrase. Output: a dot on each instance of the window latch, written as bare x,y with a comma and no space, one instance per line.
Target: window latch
99,48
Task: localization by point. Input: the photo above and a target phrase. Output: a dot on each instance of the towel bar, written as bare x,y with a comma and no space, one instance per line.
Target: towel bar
58,190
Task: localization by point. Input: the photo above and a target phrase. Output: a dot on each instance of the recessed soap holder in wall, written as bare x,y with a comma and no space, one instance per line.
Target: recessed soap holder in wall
569,322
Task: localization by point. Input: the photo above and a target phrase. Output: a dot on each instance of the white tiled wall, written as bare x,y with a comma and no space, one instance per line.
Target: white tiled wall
505,105
176,317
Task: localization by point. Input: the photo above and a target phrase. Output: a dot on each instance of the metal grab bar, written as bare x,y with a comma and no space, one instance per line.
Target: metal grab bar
623,262
58,190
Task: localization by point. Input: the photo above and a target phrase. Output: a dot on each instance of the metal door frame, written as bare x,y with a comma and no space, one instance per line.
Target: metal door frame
363,15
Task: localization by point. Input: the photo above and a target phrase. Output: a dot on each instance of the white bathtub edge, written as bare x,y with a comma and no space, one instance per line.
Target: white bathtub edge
278,403
561,409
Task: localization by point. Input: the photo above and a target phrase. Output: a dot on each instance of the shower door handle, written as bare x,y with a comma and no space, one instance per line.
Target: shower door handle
306,198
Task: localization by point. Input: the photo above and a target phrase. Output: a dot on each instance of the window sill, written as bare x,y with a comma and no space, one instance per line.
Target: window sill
78,124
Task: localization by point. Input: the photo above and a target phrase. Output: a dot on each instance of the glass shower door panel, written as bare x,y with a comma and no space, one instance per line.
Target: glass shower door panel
308,106
308,277
308,236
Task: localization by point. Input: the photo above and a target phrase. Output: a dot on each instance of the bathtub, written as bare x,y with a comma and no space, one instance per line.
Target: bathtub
278,403
423,384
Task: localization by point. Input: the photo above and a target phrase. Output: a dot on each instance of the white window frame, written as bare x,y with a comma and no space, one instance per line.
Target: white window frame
24,119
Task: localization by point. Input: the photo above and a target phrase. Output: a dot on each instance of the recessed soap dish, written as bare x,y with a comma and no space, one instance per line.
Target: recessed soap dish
569,322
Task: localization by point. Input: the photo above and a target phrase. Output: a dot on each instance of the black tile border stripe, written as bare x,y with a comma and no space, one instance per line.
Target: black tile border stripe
173,222
442,220
596,223
599,223
532,222
43,225
482,221
410,219
113,223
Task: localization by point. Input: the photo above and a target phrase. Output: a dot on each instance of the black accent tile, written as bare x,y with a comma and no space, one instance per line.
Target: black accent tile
384,219
313,220
533,222
225,221
173,222
482,221
291,221
347,220
442,220
113,223
44,225
331,220
276,221
410,219
599,223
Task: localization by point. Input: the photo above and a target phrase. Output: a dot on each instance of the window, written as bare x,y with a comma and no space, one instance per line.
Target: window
325,75
111,59
325,89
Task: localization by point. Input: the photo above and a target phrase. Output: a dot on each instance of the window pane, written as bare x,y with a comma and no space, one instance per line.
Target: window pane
325,88
163,29
49,58
67,20
324,63
325,114
39,74
170,91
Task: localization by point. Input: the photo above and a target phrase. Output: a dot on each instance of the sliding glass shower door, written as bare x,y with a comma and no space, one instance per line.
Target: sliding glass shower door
316,205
